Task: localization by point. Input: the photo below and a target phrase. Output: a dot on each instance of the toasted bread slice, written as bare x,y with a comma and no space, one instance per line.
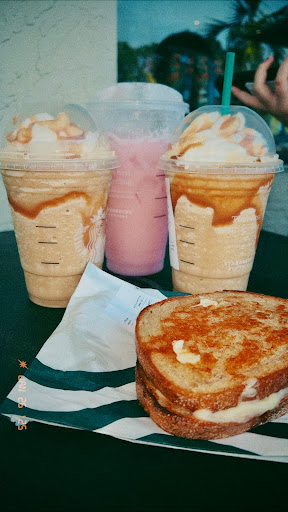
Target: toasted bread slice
191,427
215,352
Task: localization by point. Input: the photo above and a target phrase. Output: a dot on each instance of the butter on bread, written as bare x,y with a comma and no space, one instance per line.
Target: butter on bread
214,365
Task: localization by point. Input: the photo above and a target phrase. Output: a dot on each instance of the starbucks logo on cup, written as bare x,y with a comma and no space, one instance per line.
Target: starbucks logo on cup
90,238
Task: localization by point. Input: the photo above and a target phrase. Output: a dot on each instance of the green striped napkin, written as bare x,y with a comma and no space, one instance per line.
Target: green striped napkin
83,377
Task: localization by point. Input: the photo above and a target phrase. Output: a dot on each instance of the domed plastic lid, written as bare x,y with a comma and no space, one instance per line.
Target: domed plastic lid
53,136
147,96
210,142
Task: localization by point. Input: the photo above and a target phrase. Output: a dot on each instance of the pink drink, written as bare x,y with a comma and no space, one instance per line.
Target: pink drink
137,225
140,119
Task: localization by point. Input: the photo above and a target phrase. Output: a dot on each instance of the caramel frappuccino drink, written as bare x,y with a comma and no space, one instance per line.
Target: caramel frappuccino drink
219,172
57,177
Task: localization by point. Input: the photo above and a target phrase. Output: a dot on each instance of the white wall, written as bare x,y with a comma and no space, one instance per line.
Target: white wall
59,49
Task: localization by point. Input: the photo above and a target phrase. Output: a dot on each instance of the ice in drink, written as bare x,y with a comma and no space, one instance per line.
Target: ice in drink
219,171
57,178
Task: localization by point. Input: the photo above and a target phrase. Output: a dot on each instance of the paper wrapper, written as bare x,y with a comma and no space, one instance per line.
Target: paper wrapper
84,377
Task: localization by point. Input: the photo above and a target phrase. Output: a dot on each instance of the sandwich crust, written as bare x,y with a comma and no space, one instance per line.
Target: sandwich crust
237,351
192,428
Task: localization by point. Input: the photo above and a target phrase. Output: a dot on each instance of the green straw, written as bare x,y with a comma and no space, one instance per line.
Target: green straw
228,78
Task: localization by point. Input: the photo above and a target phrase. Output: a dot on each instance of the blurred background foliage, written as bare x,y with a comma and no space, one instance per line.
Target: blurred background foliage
194,64
250,33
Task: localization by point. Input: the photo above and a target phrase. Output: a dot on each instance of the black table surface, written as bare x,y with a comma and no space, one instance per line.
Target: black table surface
47,468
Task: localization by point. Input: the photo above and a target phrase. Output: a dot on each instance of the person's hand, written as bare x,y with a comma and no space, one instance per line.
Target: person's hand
275,103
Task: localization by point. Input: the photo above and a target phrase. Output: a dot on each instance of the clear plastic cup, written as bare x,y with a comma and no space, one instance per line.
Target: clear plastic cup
57,179
139,119
219,173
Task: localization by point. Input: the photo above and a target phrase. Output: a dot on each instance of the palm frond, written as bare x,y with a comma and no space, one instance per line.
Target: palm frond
254,8
241,8
244,30
215,28
240,11
278,15
245,10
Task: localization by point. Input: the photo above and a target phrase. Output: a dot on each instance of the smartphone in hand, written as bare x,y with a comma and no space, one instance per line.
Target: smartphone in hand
245,80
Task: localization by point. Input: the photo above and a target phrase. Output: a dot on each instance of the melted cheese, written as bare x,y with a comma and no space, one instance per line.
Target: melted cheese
244,411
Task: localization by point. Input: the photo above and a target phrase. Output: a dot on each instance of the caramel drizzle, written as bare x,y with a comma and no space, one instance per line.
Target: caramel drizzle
87,223
32,213
226,207
190,146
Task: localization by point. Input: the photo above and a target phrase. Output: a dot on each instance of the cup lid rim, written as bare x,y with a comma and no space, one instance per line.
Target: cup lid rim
100,160
202,167
118,103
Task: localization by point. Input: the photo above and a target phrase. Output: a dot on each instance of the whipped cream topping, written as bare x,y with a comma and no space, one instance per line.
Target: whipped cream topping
57,137
214,138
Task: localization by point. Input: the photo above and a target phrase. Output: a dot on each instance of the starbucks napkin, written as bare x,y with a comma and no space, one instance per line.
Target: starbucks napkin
83,377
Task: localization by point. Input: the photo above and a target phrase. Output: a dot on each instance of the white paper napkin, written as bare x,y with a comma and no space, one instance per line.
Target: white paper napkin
83,377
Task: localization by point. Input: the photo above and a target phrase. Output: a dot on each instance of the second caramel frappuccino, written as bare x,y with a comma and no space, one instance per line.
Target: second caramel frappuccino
219,172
